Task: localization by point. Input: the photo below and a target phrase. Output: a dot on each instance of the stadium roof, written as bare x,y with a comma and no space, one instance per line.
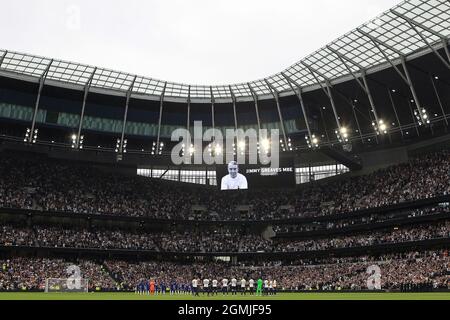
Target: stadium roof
412,28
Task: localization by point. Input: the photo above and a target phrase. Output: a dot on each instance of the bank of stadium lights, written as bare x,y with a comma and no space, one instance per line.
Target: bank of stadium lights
422,116
286,147
28,134
381,128
124,146
313,141
159,149
342,134
74,141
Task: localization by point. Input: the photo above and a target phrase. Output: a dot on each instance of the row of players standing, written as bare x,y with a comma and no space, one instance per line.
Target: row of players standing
210,287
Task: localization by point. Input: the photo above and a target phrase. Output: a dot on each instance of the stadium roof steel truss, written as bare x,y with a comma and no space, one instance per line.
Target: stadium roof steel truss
412,27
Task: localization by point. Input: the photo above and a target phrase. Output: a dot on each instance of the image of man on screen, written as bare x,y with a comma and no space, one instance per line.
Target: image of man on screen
234,180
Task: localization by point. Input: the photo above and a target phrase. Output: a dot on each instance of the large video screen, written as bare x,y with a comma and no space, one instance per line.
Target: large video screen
235,176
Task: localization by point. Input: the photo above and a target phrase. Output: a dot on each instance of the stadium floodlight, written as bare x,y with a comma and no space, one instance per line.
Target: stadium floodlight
422,116
27,135
117,146
342,134
74,141
313,141
381,128
283,147
35,136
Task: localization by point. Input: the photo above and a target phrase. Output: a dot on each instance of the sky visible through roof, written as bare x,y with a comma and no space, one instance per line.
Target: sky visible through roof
196,41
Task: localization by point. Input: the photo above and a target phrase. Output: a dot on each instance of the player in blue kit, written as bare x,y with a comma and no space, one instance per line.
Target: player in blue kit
173,288
163,288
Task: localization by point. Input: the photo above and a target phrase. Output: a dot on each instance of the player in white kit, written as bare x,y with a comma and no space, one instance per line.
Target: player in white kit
214,287
266,287
251,286
225,286
243,286
194,287
206,286
233,286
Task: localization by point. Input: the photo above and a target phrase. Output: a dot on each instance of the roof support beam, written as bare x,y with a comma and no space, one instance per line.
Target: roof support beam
412,116
188,122
125,116
314,72
161,104
357,122
413,24
36,106
374,39
406,77
233,97
83,108
324,125
364,85
213,117
369,96
439,99
327,91
343,58
377,44
418,24
445,43
277,101
354,108
298,93
395,111
411,87
255,99
2,58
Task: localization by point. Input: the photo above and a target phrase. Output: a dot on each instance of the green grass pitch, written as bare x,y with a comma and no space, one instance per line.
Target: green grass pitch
280,296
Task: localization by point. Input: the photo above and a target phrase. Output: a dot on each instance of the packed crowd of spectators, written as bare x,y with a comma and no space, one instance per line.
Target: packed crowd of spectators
207,241
396,270
331,274
36,182
22,273
398,235
365,219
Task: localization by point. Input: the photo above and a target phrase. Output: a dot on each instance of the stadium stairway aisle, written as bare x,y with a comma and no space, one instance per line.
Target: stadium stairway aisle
115,276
